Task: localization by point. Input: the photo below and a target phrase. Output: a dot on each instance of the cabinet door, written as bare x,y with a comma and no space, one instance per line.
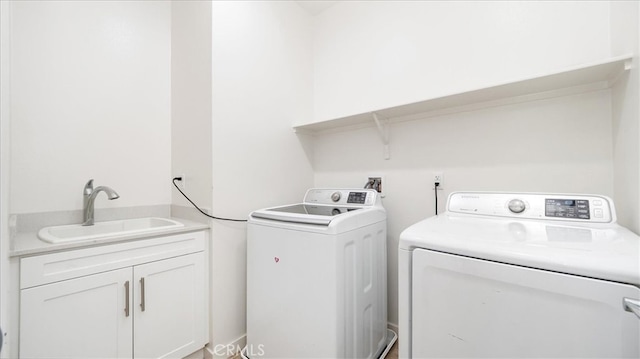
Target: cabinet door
170,307
78,318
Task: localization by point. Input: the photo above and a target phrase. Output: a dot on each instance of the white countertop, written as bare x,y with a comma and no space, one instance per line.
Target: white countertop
28,243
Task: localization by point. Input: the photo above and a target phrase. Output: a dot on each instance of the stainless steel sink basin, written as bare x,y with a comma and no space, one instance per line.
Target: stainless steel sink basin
110,229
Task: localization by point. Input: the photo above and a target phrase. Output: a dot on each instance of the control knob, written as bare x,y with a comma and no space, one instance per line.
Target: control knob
516,206
335,196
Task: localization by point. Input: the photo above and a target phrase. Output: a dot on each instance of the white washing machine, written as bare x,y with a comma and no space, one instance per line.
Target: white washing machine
317,277
515,275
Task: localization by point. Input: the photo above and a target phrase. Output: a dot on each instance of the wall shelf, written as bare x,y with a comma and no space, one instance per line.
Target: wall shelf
594,76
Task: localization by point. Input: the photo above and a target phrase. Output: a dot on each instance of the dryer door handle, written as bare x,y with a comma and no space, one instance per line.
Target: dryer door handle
632,305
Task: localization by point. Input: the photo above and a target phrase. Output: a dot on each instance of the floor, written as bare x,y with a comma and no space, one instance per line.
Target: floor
393,353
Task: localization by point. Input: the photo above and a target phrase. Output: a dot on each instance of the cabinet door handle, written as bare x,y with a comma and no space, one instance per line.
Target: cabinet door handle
632,305
142,294
126,298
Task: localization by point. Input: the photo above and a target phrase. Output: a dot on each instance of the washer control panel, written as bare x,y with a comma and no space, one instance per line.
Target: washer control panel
516,206
351,197
562,207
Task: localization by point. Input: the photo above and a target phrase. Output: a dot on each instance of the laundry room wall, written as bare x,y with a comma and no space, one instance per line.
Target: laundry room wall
262,82
191,99
5,159
90,98
625,39
378,54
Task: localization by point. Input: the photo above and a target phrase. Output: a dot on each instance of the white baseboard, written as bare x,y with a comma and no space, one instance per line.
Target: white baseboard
393,327
225,351
199,354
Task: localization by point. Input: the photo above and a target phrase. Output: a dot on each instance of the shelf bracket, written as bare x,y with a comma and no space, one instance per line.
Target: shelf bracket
626,67
383,131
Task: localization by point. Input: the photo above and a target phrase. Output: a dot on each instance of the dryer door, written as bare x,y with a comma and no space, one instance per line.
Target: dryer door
465,307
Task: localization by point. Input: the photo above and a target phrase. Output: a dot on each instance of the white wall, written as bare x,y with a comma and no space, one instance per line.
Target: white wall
90,98
191,141
377,54
262,82
371,55
625,39
5,115
191,100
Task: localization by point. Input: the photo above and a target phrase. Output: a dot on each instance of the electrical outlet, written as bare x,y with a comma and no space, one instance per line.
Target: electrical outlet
183,183
438,177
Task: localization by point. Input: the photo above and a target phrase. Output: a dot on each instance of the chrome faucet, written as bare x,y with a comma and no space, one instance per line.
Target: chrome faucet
89,198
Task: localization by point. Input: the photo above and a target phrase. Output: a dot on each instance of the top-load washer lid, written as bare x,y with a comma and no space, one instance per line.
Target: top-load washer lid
303,213
574,234
313,209
322,206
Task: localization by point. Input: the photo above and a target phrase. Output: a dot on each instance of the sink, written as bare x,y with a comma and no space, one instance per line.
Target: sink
110,229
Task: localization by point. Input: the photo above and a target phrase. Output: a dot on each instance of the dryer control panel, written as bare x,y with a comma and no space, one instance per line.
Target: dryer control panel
562,207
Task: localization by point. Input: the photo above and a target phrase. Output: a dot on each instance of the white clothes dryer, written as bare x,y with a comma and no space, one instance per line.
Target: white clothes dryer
317,277
516,275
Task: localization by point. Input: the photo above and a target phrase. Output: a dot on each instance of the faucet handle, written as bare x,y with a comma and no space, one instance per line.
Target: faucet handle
88,188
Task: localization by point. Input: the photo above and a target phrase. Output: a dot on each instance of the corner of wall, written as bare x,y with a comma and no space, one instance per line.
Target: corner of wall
191,100
625,39
5,115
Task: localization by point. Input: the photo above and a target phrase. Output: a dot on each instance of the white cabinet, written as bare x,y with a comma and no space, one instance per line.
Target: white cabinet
77,318
150,302
169,318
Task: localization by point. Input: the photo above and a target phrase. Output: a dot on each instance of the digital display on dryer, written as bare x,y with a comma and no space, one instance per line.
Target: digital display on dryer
357,197
567,208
